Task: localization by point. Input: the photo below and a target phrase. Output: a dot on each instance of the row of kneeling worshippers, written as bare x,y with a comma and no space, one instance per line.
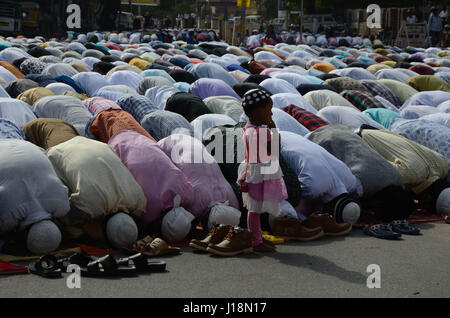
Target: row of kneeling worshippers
122,134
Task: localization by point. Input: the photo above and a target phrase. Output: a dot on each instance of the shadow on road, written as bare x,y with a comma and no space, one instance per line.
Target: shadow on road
319,264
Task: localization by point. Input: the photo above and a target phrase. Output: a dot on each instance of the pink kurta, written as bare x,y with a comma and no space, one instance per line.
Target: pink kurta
160,179
202,172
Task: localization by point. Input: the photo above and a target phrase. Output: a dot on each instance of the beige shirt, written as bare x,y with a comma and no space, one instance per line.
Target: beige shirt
99,183
419,165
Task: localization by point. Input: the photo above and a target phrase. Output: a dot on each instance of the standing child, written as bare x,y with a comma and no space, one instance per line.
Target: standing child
260,175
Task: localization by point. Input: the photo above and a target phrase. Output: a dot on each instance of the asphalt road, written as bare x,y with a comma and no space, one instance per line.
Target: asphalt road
416,266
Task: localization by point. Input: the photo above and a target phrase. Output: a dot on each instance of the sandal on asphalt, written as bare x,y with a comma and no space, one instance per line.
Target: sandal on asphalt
143,264
108,266
382,231
153,247
403,227
140,245
46,266
79,259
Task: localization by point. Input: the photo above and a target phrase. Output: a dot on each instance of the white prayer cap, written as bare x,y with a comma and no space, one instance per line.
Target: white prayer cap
222,213
351,213
443,202
176,224
43,237
121,230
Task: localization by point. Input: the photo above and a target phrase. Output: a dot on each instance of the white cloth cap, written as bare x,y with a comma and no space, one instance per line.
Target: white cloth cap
222,213
82,38
176,224
121,230
351,213
443,202
43,237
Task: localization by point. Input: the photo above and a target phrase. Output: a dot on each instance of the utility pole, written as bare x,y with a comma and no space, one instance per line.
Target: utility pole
243,23
225,22
198,14
301,21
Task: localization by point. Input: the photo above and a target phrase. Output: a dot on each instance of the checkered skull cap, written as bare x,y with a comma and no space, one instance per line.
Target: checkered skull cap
254,96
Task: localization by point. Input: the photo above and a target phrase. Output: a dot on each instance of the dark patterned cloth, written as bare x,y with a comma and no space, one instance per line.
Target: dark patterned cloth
304,117
32,66
377,89
345,83
361,100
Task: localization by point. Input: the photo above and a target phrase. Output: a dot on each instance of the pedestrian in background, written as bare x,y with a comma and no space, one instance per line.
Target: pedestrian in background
444,15
435,27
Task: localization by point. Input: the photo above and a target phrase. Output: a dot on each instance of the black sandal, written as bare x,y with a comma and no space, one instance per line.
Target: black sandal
46,266
143,264
79,259
108,266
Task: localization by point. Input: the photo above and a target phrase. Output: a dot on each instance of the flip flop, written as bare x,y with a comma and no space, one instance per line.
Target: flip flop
382,231
143,264
403,227
7,268
46,266
77,259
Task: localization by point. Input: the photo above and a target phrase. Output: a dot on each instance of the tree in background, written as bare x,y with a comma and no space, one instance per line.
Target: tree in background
106,14
268,7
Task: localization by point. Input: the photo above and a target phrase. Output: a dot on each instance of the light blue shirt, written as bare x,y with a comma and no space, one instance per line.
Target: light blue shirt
435,23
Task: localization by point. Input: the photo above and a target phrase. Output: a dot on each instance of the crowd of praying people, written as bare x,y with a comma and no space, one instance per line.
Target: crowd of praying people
144,138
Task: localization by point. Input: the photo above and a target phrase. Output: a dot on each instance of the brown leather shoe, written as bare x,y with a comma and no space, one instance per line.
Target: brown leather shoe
293,229
447,219
215,236
264,248
237,241
328,224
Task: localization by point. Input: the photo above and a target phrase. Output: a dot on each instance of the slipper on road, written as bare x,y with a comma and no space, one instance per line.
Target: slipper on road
46,266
